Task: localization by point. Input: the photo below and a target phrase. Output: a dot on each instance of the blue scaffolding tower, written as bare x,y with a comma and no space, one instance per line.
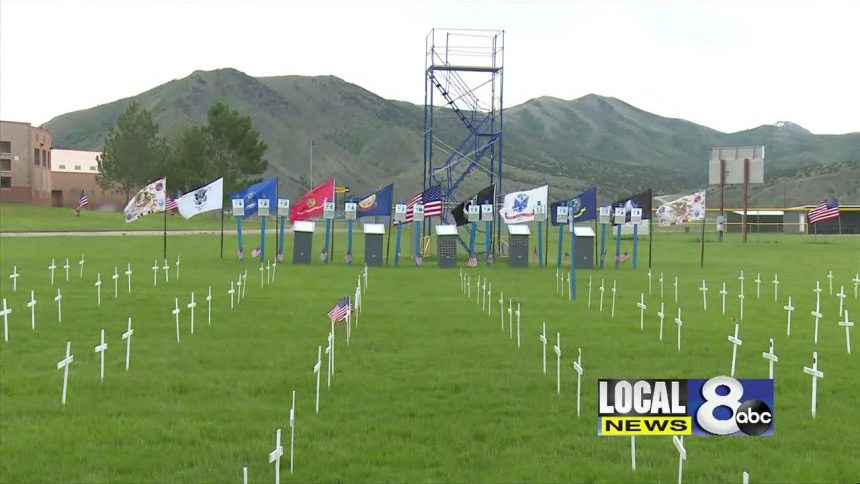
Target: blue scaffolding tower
463,115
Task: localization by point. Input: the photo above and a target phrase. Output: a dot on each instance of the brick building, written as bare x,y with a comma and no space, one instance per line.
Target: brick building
74,171
25,163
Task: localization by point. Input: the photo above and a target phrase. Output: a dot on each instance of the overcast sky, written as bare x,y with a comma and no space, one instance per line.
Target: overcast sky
730,65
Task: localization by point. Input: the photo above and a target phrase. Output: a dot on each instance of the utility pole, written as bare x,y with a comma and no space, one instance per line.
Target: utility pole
311,175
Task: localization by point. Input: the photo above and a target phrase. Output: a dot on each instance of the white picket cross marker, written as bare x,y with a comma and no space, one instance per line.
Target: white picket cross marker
542,339
317,368
745,478
177,267
127,337
191,306
841,296
816,374
176,313
245,475
5,313
333,337
239,290
244,283
510,318
676,289
502,308
757,285
830,281
661,315
155,273
817,315
557,349
741,279
633,452
32,306
468,286
262,277
275,456
741,298
478,291
293,430
52,267
231,292
59,300
365,277
771,357
775,287
735,341
567,285
64,365
100,349
817,292
577,367
642,308
483,294
612,314
602,289
268,272
166,271
847,324
788,308
518,325
274,269
723,293
557,282
66,266
661,286
98,285
81,263
682,455
329,354
649,282
589,292
14,276
128,277
704,290
490,301
679,323
856,282
209,307
115,286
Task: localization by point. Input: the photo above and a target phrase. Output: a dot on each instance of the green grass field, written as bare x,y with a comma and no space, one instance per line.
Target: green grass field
31,218
429,389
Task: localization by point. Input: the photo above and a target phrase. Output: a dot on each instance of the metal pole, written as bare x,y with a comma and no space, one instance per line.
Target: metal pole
311,170
746,195
722,197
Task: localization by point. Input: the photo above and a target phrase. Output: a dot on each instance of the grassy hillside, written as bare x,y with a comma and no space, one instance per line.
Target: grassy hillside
366,140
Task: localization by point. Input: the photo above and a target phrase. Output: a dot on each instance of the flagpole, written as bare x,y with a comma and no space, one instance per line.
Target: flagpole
650,236
702,260
165,230
388,244
546,244
222,229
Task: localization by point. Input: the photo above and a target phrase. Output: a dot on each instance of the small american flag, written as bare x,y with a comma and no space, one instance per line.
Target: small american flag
82,202
348,258
826,211
340,309
241,254
280,257
490,259
256,252
323,255
432,200
473,261
170,204
419,260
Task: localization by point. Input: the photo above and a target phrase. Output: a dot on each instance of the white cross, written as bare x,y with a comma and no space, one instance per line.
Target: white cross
14,276
830,281
577,367
100,348
177,267
191,306
268,272
745,478
66,266
462,281
856,282
613,299
155,273
209,307
510,319
245,475
518,325
589,292
602,289
98,285
330,354
293,429
5,313
490,301
115,279
274,269
244,283
816,374
262,279
478,291
275,456
332,333
772,358
741,297
317,368
567,285
58,299
127,337
239,290
649,282
365,277
775,286
735,341
633,452
676,289
817,289
357,303
231,292
64,365
661,286
741,278
557,282
642,308
817,315
841,296
128,276
542,339
847,324
679,323
788,308
176,313
757,285
661,315
81,263
32,306
52,267
483,294
557,349
704,290
682,455
723,293
502,308
166,271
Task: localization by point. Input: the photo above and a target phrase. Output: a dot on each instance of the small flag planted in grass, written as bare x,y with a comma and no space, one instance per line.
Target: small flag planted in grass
340,310
473,261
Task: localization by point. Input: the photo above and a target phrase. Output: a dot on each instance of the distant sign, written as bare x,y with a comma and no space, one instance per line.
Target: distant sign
238,207
734,164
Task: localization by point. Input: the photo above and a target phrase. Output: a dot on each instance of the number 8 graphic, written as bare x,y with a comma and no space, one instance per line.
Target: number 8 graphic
705,414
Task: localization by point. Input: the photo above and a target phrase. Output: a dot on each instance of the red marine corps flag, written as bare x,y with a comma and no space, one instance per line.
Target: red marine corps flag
311,203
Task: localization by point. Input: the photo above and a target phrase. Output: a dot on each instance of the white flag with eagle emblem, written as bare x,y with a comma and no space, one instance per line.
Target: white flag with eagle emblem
204,199
519,207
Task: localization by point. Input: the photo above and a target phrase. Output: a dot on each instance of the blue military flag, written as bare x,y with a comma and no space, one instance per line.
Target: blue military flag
582,207
377,203
264,189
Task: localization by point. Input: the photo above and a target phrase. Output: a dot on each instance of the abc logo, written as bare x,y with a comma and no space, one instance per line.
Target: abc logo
752,417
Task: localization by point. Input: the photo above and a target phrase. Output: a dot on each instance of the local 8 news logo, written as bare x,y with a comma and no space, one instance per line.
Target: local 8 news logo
717,406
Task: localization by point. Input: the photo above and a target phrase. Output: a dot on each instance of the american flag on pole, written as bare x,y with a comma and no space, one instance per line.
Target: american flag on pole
432,200
340,309
170,204
473,261
826,211
82,202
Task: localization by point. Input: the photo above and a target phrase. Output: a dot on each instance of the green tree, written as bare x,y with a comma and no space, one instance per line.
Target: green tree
236,149
190,163
133,153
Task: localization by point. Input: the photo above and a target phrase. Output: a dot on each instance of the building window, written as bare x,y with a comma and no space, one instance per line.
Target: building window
93,167
36,156
5,164
5,146
5,182
62,167
44,158
77,167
